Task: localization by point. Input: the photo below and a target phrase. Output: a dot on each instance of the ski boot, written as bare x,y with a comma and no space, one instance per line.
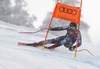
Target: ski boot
53,46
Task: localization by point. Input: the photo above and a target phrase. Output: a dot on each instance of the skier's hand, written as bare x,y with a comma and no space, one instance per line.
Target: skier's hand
72,48
51,28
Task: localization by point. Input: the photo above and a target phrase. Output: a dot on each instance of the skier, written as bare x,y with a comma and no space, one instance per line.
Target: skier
67,40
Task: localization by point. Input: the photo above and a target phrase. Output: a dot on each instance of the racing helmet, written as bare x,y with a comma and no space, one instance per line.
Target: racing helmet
73,25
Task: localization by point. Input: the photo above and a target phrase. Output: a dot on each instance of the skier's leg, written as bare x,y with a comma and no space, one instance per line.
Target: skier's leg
42,42
68,43
53,46
49,41
57,43
52,41
33,44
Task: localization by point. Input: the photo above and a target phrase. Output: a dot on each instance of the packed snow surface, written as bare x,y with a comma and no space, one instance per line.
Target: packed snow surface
13,56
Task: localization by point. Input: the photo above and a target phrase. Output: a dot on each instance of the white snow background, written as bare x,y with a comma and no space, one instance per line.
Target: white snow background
13,56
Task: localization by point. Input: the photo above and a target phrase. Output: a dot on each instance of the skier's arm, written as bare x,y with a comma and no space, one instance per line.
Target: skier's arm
79,40
79,43
58,28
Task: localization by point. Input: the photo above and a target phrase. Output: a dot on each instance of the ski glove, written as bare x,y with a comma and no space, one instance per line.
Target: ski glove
72,48
51,28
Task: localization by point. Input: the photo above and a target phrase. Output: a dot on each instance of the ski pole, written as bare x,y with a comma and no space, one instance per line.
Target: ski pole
86,50
32,32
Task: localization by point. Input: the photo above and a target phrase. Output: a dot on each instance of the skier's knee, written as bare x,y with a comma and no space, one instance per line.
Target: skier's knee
53,41
67,46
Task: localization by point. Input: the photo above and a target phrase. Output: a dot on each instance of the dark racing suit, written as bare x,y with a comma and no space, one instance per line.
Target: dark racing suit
68,40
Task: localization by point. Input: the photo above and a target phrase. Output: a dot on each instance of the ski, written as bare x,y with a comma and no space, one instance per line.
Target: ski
23,44
29,44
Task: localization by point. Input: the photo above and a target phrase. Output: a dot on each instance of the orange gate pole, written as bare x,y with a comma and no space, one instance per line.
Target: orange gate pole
78,29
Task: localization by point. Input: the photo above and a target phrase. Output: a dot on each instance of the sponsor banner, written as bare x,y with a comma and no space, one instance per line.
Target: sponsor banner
68,13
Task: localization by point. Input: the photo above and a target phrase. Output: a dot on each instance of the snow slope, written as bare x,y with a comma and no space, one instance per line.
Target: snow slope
13,56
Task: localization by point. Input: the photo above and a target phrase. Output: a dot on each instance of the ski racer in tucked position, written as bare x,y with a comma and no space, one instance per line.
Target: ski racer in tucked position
67,40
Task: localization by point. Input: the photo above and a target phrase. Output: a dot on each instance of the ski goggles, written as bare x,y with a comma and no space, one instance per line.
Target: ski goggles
73,28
